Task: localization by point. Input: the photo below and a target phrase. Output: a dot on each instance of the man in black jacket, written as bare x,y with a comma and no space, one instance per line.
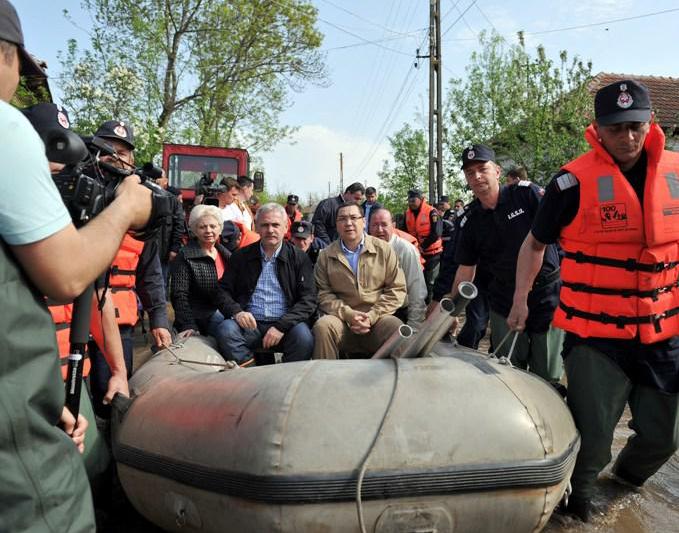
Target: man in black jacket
326,211
269,295
172,232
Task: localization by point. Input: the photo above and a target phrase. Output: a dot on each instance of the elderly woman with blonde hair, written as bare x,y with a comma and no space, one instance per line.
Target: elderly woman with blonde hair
197,271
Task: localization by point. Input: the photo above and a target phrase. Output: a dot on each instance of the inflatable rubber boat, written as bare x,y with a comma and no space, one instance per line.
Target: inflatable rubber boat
455,441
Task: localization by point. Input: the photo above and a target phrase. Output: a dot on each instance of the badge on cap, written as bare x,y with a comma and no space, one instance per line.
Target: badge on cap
471,154
624,98
62,119
300,229
120,130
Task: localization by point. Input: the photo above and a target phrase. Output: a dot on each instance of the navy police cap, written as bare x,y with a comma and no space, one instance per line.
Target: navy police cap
47,116
477,152
293,199
622,101
301,228
116,130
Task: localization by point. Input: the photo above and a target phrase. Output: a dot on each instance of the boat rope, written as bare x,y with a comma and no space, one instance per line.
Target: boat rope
506,360
228,365
364,464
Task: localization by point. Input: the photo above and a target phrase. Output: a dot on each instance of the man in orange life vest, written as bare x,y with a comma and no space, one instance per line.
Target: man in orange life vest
293,212
615,212
424,223
135,271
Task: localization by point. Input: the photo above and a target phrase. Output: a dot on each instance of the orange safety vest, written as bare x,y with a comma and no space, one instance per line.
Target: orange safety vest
412,240
62,316
296,218
246,236
421,227
621,266
122,281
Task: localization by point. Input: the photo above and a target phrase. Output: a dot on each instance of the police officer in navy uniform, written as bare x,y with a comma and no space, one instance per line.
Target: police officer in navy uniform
491,234
477,312
613,210
303,238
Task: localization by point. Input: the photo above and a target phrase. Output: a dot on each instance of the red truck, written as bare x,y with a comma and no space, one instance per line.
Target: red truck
185,164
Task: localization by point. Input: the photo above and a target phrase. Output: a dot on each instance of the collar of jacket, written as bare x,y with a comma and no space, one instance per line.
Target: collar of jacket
193,250
334,250
253,252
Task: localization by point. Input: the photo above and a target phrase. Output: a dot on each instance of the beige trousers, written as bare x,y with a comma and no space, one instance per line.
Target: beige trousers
332,337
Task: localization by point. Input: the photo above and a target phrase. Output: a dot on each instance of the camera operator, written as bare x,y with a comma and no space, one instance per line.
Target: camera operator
44,118
42,483
135,271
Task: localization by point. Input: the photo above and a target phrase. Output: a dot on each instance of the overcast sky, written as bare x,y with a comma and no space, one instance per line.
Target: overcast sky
375,88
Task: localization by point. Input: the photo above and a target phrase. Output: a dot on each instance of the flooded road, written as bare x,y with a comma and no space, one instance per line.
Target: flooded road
652,509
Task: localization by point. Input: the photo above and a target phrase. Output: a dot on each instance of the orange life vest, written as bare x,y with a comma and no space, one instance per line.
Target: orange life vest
420,228
122,281
412,240
296,218
62,316
621,266
246,236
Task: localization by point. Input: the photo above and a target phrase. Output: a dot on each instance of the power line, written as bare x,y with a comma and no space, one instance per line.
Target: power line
458,18
363,39
360,17
603,23
394,38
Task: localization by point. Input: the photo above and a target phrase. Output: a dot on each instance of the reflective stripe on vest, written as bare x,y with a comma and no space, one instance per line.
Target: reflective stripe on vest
621,262
122,281
421,228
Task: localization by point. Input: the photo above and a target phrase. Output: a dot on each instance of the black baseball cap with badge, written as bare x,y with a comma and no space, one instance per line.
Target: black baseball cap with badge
47,116
301,228
622,101
477,153
293,199
414,193
116,130
10,31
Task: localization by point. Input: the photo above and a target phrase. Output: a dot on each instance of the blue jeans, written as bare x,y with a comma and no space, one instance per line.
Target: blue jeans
237,344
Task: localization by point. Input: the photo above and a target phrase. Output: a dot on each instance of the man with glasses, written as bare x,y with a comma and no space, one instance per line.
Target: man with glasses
360,286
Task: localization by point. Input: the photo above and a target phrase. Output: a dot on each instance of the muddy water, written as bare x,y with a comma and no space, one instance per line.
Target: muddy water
652,509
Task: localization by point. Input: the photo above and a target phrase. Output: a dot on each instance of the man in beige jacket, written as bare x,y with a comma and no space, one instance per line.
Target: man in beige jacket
359,286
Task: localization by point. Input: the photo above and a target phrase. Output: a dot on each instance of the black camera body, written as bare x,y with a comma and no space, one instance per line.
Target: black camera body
87,185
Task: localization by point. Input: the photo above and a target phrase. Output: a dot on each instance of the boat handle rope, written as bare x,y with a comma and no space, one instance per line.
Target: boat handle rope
506,359
228,365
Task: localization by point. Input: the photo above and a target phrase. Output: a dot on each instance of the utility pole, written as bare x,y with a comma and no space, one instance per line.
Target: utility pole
341,173
435,122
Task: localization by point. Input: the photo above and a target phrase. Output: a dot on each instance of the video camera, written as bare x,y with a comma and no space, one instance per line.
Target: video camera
87,184
209,189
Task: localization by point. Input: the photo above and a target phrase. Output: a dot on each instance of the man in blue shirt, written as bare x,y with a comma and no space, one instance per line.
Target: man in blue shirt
268,295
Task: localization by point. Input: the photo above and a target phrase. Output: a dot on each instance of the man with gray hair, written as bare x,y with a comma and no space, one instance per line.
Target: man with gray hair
268,295
382,227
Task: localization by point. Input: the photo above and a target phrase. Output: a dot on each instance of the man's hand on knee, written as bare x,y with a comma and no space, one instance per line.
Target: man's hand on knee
360,323
245,320
272,338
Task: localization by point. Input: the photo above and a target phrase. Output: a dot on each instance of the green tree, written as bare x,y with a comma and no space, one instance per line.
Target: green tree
531,111
409,171
211,72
